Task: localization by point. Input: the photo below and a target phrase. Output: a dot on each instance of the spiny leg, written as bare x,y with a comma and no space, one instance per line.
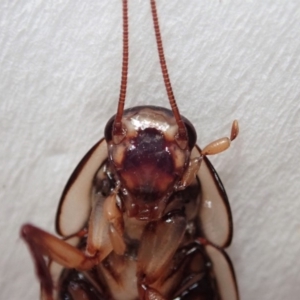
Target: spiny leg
159,243
75,285
197,281
104,235
42,244
105,226
218,279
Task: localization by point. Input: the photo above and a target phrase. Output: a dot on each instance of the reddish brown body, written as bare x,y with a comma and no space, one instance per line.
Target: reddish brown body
144,215
149,161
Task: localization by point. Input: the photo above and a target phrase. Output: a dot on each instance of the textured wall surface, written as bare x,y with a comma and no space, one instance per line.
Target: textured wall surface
60,65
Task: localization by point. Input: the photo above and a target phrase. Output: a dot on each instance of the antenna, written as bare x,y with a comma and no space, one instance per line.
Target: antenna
117,126
118,132
182,134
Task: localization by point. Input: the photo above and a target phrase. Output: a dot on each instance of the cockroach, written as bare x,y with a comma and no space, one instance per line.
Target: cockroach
144,215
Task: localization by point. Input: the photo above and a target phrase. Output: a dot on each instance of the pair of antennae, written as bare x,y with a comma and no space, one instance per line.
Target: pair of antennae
117,127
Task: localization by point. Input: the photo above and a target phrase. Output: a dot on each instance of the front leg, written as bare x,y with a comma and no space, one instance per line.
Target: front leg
42,244
104,236
159,242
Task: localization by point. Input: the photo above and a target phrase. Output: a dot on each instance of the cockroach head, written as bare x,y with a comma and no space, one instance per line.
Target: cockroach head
148,161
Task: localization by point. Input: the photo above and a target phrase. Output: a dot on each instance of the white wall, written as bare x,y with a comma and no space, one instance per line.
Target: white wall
59,81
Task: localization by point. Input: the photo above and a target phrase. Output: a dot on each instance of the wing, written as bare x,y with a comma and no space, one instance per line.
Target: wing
75,203
215,214
224,273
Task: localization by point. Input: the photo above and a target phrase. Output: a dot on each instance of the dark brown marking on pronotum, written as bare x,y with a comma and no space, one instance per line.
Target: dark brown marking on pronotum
144,215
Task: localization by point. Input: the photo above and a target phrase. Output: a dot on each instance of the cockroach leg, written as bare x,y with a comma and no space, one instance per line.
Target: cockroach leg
198,284
80,234
223,270
56,249
45,295
116,224
160,240
98,240
43,244
105,227
222,144
41,267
